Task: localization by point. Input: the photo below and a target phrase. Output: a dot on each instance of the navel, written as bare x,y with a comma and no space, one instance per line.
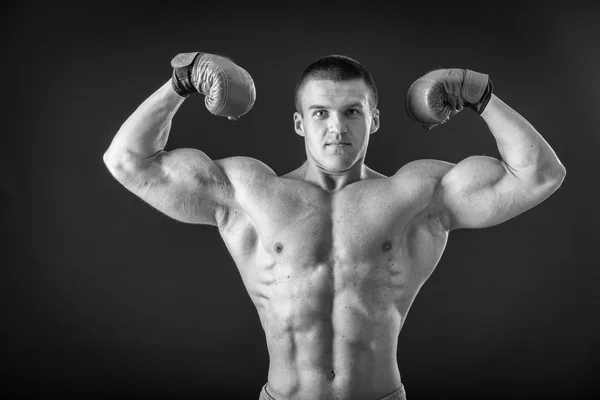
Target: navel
386,246
278,247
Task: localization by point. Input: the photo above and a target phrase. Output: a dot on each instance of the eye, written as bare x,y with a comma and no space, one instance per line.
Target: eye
320,113
352,112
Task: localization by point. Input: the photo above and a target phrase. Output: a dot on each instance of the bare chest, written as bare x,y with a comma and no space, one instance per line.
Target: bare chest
305,228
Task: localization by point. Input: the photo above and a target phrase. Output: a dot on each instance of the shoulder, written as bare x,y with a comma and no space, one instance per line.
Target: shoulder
421,176
415,176
423,179
297,173
249,180
425,170
244,169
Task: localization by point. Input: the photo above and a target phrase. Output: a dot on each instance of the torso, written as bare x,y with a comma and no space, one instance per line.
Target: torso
333,276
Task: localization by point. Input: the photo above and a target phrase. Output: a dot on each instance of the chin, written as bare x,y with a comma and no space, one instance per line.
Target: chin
339,164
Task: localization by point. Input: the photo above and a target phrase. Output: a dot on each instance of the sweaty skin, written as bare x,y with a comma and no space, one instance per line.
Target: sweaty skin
333,276
333,253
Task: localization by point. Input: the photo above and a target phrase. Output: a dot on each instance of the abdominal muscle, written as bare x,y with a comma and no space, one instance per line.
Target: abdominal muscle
332,281
328,334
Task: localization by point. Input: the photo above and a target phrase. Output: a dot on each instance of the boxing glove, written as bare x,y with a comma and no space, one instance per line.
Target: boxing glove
228,88
440,94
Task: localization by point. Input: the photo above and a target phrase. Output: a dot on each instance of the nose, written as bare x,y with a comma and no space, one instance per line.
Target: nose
336,123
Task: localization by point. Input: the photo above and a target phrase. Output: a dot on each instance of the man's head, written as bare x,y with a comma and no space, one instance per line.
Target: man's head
336,102
335,68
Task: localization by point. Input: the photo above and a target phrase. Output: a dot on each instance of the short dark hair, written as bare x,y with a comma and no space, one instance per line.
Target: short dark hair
336,68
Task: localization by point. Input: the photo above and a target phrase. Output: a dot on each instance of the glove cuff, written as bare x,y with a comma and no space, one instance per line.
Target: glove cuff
181,80
487,95
477,90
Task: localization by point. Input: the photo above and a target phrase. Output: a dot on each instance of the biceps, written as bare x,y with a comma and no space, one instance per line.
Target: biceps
186,185
480,192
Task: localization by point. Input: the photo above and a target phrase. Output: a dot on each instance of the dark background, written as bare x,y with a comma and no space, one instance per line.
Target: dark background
104,296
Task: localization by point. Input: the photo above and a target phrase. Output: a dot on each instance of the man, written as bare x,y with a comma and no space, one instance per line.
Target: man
333,253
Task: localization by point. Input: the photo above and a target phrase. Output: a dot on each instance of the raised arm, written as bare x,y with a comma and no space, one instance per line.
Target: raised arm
184,184
482,191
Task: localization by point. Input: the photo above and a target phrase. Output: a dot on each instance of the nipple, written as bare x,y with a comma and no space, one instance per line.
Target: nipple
386,246
278,247
331,375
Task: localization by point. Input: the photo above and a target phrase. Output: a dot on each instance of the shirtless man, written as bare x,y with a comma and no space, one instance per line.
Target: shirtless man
333,253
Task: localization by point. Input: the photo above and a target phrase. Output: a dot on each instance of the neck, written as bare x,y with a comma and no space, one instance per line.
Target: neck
333,180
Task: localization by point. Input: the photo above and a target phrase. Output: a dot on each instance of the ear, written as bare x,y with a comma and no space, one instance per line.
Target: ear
298,124
374,121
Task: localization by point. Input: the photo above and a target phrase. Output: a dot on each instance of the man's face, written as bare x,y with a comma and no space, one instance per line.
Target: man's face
336,122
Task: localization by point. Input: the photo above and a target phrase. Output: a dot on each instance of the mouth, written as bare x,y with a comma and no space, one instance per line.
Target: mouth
338,144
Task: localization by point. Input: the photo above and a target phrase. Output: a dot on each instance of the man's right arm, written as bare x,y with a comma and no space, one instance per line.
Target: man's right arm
184,184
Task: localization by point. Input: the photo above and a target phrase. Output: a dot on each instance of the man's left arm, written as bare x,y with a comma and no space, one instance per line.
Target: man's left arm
479,191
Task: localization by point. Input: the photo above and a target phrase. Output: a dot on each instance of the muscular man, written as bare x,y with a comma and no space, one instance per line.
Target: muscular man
333,253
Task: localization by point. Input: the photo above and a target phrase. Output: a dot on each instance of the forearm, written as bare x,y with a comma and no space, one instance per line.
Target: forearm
522,148
146,131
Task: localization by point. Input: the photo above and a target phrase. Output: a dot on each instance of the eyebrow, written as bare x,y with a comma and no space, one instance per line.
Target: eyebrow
351,105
